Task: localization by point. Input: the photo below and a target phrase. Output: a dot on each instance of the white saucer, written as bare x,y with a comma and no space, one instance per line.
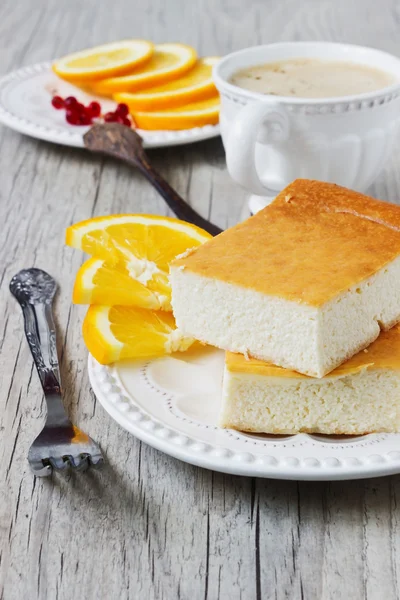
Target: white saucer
173,403
25,97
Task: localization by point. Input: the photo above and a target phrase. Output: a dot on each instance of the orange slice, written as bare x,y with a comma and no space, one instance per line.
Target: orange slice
109,60
168,62
136,247
99,283
197,84
198,114
112,333
130,237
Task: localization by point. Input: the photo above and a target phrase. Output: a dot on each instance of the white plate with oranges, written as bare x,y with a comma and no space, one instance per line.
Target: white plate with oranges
166,388
165,91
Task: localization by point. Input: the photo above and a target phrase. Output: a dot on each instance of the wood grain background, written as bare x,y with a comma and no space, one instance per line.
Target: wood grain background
148,526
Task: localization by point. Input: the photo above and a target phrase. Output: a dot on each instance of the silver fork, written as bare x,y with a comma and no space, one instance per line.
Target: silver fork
60,444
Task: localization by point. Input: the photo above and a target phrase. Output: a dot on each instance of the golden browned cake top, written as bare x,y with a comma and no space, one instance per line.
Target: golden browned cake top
314,241
384,353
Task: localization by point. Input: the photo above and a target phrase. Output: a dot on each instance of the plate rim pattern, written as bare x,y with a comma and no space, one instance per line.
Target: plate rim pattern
127,412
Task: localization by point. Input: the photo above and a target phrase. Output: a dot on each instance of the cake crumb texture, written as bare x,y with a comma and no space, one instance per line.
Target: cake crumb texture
383,353
365,402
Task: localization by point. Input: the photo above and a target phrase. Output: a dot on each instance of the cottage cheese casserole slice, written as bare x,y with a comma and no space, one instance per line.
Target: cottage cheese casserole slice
361,396
304,284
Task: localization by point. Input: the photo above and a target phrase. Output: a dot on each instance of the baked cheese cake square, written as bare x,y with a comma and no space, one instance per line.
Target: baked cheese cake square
305,284
361,396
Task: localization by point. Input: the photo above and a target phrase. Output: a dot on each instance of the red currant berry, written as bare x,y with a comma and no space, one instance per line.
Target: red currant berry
85,119
80,108
72,117
94,109
126,122
57,102
122,110
110,117
70,102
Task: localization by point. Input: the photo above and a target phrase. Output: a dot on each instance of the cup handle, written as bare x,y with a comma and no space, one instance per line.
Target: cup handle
266,122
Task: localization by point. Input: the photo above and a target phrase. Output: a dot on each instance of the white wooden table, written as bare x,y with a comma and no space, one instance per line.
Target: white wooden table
148,526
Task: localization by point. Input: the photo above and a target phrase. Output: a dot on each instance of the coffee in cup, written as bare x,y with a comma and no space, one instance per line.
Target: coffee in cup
311,78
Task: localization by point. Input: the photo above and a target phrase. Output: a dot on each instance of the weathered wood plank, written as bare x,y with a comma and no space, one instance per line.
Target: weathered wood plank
149,526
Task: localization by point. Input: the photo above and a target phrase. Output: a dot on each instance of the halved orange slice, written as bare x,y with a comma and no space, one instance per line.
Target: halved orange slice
112,333
134,249
109,60
197,84
151,238
168,62
99,283
197,114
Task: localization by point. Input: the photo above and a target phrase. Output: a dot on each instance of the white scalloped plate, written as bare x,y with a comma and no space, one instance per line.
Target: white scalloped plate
25,106
173,403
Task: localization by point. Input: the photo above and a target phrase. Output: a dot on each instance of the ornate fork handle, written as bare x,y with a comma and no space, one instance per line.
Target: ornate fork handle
41,335
34,290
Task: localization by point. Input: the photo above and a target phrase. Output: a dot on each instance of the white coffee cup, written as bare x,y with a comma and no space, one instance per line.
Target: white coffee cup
271,140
